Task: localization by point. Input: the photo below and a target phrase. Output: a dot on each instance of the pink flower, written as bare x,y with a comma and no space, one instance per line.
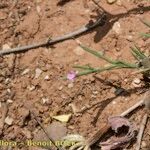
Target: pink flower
71,75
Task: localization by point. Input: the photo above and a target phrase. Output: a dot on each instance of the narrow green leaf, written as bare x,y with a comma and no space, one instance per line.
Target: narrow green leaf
145,35
137,53
83,67
97,70
99,55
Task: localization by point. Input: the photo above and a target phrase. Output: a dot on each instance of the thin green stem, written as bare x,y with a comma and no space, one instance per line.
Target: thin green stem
145,35
83,67
96,70
98,54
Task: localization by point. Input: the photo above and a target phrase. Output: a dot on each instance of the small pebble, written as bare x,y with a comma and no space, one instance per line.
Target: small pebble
31,88
136,82
37,73
143,144
93,96
45,100
38,9
71,127
60,88
5,46
9,90
114,102
25,71
78,51
46,77
119,2
111,1
9,101
129,38
70,85
8,120
117,28
95,92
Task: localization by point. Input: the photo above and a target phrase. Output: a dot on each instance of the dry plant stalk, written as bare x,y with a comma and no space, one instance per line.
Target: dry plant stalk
105,127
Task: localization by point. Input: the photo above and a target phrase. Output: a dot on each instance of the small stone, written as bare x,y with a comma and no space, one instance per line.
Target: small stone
117,28
136,82
31,88
9,90
45,100
114,102
46,77
70,85
8,120
93,96
95,92
25,71
38,72
71,127
60,88
125,80
9,101
5,46
143,144
129,38
78,51
38,8
111,1
119,2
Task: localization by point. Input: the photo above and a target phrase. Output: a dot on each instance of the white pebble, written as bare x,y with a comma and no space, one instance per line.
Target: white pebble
117,28
38,72
45,100
119,2
5,46
8,120
70,85
129,38
31,88
111,1
60,88
38,9
137,81
114,102
25,71
46,77
9,101
143,144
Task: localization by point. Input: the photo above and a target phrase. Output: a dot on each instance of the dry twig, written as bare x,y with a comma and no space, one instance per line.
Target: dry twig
105,127
42,127
70,35
141,132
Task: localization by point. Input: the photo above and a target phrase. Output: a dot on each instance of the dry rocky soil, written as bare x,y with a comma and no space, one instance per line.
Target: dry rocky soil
33,80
